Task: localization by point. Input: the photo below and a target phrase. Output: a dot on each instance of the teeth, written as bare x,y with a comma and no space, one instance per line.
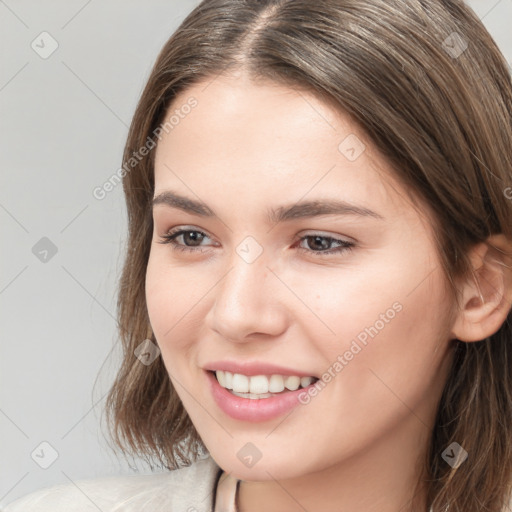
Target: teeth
240,383
276,384
252,396
306,381
292,383
221,378
260,386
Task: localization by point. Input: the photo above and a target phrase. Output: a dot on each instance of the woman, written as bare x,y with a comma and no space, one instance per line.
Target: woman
318,282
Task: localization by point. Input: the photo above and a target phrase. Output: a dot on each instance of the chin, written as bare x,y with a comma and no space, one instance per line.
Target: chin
276,466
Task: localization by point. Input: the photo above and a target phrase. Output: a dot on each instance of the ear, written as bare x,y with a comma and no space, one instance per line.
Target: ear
486,296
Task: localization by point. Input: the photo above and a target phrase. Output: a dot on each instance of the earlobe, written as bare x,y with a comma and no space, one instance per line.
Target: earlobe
486,296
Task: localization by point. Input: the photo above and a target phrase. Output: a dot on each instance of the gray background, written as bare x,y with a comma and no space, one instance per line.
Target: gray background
63,123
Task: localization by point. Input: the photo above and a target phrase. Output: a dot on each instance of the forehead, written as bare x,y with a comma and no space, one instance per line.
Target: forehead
256,143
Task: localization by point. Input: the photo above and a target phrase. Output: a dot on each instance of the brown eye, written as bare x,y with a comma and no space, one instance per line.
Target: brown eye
320,245
191,239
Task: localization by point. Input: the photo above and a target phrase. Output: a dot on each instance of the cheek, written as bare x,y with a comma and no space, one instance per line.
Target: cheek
366,300
172,300
392,354
390,328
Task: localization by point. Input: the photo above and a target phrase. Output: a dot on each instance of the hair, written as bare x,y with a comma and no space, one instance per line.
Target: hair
440,113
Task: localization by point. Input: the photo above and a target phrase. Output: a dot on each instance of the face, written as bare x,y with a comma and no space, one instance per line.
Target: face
346,289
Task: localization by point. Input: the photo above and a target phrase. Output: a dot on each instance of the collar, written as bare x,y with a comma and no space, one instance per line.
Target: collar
226,493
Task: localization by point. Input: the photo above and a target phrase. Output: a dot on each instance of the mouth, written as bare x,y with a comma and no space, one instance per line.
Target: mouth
257,387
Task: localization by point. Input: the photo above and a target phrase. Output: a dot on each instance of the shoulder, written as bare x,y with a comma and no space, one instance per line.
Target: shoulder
188,489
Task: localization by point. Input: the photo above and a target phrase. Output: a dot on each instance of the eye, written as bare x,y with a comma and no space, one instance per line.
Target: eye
189,235
321,242
195,237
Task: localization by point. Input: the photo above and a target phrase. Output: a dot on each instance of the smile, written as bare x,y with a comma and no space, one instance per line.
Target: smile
257,397
260,386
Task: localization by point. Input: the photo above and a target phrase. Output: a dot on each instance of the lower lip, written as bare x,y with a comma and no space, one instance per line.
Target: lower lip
247,409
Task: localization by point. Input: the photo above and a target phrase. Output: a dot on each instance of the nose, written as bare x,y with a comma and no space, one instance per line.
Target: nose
248,302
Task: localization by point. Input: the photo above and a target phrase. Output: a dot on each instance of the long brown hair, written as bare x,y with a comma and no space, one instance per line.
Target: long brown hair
428,85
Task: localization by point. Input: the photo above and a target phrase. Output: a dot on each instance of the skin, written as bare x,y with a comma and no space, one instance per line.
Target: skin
359,443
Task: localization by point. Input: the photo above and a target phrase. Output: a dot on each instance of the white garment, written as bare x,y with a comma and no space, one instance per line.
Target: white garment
195,488
188,489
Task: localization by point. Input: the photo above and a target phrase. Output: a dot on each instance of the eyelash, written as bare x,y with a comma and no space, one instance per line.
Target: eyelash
170,238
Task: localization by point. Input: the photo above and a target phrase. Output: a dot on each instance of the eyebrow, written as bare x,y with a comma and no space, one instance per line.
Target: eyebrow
303,209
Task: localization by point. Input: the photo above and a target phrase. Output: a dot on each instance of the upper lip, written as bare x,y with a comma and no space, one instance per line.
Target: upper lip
251,368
